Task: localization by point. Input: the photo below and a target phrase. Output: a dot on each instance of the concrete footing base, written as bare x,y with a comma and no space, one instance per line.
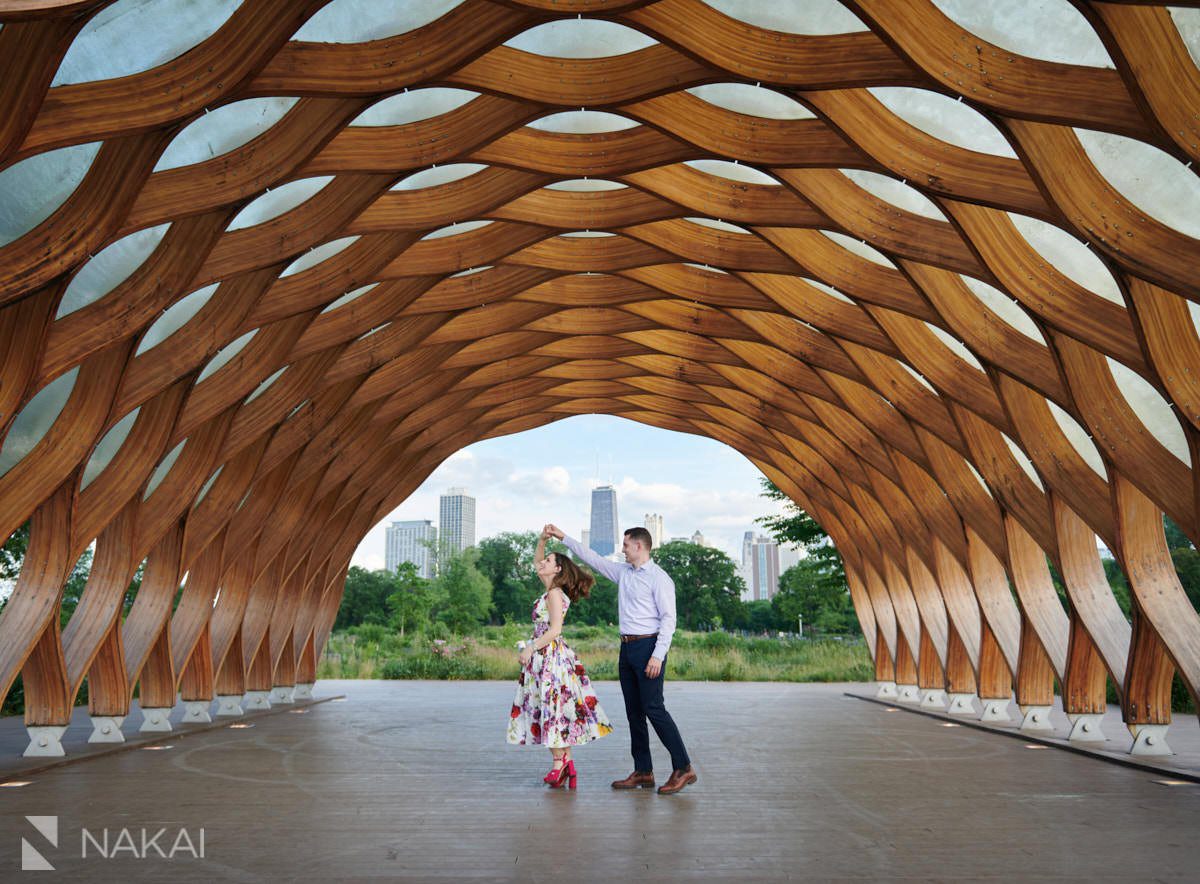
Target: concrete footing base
1085,728
1035,718
257,700
908,693
1150,739
45,740
156,719
282,693
961,704
303,692
995,710
196,710
933,698
107,729
229,705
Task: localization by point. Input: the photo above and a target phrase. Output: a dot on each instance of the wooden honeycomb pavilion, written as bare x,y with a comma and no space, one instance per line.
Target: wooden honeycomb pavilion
934,270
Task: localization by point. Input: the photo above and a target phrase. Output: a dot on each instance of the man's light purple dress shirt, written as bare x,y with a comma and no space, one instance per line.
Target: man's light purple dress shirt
645,596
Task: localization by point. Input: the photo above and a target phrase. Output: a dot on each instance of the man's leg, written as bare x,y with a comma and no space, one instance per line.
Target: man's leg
639,734
651,692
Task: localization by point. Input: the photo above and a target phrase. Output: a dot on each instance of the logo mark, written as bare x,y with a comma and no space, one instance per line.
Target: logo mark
31,859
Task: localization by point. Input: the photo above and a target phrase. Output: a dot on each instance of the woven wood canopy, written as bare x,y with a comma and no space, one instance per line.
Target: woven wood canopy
932,267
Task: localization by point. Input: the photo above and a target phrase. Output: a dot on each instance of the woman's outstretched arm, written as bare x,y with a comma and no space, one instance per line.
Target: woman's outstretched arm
540,552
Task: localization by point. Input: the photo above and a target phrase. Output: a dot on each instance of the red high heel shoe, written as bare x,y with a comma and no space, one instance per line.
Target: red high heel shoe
572,779
556,777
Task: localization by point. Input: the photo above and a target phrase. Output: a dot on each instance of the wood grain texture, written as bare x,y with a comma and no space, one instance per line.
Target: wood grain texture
838,340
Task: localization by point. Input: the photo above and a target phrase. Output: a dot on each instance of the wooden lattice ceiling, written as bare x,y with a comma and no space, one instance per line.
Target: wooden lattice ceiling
958,333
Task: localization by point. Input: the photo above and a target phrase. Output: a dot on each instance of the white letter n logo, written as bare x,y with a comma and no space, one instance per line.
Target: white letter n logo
31,860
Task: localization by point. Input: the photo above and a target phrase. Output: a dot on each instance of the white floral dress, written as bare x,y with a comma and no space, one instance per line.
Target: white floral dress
555,705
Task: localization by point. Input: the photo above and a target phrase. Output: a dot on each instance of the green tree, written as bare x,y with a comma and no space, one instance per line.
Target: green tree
412,599
12,554
366,598
708,588
758,616
507,561
798,528
600,607
464,592
815,588
810,590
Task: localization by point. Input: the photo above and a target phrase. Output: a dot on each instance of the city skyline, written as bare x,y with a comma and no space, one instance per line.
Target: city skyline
522,481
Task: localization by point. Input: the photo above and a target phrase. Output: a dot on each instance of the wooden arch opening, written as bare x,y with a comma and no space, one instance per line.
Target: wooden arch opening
938,286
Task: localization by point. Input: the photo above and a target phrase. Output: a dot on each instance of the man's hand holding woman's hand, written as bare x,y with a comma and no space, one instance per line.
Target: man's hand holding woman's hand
551,530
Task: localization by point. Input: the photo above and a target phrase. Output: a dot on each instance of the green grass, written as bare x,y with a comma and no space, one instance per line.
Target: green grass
491,654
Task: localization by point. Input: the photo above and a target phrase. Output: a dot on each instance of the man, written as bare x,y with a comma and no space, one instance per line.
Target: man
646,611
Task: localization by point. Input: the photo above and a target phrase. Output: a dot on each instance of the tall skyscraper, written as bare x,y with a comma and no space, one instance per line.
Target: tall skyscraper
605,536
788,556
411,542
760,567
654,524
456,521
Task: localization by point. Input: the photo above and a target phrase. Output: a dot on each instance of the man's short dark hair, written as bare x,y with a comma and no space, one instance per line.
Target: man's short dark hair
641,535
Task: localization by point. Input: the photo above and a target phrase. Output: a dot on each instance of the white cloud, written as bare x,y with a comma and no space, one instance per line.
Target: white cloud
523,481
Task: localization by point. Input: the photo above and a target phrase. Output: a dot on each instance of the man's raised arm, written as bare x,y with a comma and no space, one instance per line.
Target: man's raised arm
611,570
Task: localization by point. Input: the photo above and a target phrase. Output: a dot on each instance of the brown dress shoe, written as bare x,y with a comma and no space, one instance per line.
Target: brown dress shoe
643,778
677,780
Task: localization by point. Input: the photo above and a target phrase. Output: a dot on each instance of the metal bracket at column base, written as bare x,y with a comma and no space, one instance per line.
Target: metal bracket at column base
908,693
196,710
45,740
1036,718
1085,727
303,692
961,704
107,729
933,698
282,693
257,700
995,710
1149,739
156,719
229,705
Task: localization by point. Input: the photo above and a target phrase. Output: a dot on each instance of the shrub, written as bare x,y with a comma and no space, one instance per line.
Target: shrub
719,641
370,632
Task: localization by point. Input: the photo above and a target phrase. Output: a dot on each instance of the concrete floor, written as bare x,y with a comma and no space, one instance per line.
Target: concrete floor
413,781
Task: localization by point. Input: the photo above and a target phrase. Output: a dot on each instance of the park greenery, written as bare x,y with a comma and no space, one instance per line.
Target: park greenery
464,622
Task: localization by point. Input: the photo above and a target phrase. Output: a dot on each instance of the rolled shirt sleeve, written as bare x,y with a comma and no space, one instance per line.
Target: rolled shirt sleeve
611,570
664,599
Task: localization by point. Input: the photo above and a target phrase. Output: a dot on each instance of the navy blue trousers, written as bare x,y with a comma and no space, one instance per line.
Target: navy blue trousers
644,700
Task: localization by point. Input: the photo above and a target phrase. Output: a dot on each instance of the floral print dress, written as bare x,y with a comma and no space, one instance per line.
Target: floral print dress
555,705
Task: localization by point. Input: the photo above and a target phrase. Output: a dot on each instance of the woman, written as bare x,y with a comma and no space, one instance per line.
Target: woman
555,705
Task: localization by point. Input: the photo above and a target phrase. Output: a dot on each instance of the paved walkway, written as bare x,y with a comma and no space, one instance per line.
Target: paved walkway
412,780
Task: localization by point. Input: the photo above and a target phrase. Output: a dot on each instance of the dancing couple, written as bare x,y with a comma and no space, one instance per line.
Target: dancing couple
555,705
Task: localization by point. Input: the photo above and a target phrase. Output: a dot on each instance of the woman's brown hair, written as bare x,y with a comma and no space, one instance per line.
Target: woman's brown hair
576,582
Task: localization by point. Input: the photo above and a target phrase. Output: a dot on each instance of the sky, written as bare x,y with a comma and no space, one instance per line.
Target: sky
522,481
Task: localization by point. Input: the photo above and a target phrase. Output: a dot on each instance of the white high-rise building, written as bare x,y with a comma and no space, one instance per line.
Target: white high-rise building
411,542
654,524
698,538
788,556
585,538
456,520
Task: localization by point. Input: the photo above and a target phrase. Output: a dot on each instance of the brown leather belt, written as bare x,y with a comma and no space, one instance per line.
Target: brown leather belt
633,638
